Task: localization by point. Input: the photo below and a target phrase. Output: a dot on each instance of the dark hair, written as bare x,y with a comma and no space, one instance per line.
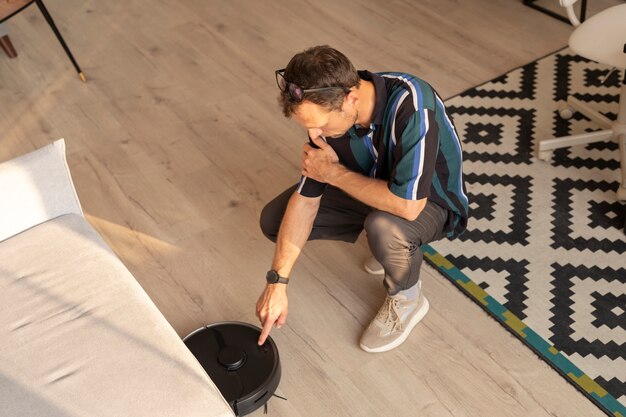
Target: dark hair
316,67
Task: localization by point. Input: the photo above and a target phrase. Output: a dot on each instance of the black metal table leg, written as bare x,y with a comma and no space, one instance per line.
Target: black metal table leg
583,10
53,26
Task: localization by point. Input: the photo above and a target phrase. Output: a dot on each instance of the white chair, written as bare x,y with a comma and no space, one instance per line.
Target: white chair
601,38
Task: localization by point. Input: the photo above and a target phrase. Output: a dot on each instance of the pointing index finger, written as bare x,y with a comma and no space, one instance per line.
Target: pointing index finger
267,326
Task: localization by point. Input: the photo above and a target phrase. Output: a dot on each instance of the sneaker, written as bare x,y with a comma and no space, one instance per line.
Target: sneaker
372,266
394,322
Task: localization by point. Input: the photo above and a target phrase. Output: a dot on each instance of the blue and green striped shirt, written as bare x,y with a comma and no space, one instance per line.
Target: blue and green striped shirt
411,143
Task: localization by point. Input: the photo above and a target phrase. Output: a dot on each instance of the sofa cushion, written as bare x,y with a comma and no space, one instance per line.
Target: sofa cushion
80,337
35,187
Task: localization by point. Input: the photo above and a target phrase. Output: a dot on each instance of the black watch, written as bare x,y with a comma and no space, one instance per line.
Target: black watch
272,277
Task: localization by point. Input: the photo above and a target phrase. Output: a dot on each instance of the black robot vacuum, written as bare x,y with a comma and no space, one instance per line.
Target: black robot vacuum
245,373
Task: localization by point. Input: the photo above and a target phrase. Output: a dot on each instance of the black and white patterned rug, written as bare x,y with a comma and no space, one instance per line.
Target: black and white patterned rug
545,252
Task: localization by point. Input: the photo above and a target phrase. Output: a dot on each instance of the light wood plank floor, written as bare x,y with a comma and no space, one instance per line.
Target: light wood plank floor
176,143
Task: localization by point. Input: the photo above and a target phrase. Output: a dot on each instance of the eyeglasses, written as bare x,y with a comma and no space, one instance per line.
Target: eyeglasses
295,91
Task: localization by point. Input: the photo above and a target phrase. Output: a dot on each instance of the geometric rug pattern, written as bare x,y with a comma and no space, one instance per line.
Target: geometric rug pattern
545,250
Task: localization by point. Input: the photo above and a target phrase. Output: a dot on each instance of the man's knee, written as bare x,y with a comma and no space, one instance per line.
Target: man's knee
385,230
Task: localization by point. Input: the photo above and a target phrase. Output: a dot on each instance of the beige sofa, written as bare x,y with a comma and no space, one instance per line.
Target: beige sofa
78,335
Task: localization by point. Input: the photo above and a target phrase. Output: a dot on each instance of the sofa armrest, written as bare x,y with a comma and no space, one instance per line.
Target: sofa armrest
34,188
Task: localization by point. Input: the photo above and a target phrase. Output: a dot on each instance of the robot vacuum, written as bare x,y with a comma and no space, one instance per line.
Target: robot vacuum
245,373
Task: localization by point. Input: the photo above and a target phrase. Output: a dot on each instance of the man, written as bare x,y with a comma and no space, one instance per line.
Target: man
383,156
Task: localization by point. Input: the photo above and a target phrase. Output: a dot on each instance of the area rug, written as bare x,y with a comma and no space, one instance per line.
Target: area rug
545,251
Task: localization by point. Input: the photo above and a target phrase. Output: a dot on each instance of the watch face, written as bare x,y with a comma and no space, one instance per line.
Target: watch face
272,277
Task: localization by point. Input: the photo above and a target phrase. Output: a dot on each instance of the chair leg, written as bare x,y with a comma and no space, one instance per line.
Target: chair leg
7,46
621,191
53,26
616,132
620,137
547,146
588,111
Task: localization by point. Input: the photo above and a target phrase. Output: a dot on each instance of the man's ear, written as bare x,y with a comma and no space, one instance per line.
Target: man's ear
352,98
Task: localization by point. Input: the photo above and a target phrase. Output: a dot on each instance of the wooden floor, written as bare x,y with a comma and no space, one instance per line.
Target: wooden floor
176,143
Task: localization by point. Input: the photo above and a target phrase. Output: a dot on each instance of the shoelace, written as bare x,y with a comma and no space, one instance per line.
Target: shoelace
388,314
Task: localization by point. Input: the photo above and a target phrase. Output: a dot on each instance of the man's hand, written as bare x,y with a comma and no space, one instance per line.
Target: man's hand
320,164
272,308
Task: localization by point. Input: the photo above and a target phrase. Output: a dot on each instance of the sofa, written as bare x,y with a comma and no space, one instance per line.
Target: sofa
78,334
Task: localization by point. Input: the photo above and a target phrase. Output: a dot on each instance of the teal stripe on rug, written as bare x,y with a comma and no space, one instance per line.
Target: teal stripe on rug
516,326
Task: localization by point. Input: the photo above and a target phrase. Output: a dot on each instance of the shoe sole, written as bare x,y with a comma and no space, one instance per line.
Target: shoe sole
414,321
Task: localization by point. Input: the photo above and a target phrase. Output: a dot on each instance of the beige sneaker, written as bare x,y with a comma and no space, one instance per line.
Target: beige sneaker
394,322
372,266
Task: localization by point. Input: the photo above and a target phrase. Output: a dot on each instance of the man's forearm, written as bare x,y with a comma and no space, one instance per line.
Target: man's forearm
294,232
375,193
322,164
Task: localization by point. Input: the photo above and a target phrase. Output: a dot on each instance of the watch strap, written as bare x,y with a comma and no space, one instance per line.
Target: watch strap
273,277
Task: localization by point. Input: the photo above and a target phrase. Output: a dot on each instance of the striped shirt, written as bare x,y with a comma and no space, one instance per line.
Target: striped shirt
411,143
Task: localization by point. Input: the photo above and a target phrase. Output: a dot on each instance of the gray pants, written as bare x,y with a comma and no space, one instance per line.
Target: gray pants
394,241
